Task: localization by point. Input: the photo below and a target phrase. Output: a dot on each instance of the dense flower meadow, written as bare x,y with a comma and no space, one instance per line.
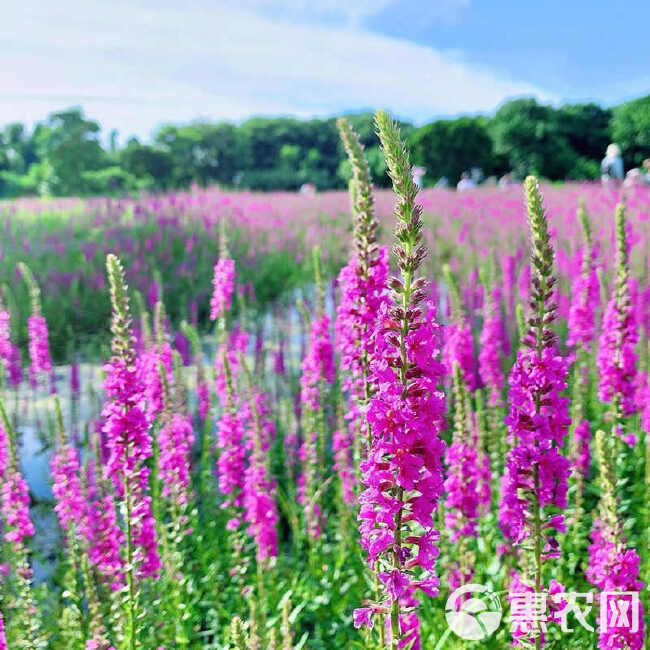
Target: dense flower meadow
309,430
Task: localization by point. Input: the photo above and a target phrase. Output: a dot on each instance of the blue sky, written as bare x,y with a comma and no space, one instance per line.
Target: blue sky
133,64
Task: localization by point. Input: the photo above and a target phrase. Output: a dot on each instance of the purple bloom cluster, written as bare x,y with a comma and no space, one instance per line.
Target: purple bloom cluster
244,434
582,457
238,344
279,367
614,568
144,529
125,425
524,631
616,356
261,513
105,539
539,432
203,398
643,400
14,495
491,348
14,503
318,364
585,295
462,487
5,450
9,353
39,345
356,319
126,429
5,341
535,481
260,488
75,385
459,348
317,369
149,370
175,440
66,487
403,471
231,464
343,462
98,642
223,284
15,367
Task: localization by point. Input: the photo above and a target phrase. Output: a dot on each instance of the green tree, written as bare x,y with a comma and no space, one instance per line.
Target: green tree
17,153
587,128
531,139
631,130
201,152
68,145
111,181
449,147
284,153
64,154
152,167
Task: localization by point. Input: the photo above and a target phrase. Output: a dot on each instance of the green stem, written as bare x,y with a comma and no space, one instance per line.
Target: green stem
205,463
538,544
130,641
406,296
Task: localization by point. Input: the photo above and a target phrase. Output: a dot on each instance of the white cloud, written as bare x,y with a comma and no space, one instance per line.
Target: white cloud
350,11
134,65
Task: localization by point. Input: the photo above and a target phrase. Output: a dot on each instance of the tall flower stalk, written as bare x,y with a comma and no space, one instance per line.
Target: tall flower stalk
17,528
613,567
5,341
10,357
582,316
101,533
223,284
459,340
462,485
259,486
203,412
402,475
66,485
39,344
491,346
616,354
129,444
585,292
362,282
231,463
534,485
72,510
175,439
318,371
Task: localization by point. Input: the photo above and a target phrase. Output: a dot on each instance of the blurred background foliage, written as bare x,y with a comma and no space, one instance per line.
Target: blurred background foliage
67,155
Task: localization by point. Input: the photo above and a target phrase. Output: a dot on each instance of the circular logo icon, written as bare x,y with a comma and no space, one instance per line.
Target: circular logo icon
473,612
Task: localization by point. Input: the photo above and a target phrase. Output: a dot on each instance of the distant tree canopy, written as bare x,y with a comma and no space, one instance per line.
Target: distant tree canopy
65,155
450,147
554,143
631,129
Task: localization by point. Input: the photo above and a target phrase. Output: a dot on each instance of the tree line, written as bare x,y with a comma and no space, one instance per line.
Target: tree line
65,154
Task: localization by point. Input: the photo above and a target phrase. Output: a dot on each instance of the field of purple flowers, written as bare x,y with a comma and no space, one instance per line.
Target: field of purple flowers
318,418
